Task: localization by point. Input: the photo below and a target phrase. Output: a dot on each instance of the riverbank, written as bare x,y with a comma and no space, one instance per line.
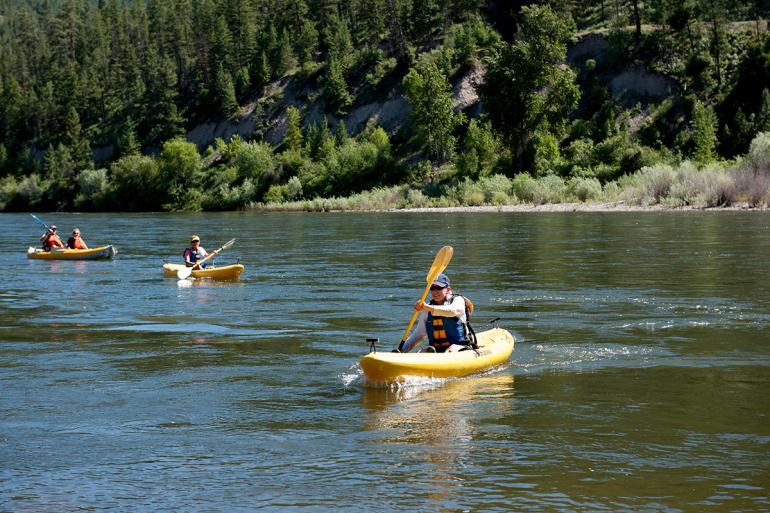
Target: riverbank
584,207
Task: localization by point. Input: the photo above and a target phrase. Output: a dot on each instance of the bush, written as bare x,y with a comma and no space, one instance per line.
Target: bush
757,159
253,160
657,181
93,189
495,188
524,187
583,189
135,184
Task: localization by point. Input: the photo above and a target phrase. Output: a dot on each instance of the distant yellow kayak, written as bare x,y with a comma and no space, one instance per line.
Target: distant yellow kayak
495,347
227,272
103,252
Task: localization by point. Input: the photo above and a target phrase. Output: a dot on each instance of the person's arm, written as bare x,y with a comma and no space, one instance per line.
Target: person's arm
83,243
186,256
417,336
454,309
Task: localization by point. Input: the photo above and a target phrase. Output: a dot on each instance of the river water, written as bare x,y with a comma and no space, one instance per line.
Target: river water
640,380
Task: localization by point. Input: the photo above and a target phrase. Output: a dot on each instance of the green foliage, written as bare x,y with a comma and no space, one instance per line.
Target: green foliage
225,91
481,149
135,184
293,137
93,189
429,94
336,92
542,93
179,165
254,161
705,136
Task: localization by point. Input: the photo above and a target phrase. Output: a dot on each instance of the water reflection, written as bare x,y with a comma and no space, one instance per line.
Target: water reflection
438,418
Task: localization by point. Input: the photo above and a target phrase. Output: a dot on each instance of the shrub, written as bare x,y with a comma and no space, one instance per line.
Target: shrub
293,189
550,189
657,181
496,186
275,194
583,189
524,187
757,159
135,184
93,188
254,160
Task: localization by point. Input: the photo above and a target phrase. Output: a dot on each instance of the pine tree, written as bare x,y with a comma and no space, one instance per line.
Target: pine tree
705,133
338,98
78,146
225,91
293,137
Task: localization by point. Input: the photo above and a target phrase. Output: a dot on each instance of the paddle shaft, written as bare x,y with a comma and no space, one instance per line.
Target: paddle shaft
416,313
210,255
40,221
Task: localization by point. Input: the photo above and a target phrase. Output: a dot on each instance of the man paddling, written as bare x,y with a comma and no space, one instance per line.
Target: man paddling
444,321
50,239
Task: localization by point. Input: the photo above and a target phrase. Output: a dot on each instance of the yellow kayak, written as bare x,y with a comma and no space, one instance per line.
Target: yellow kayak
103,252
227,272
495,347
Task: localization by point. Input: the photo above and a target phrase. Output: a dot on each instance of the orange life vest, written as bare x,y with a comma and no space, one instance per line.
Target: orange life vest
51,241
76,243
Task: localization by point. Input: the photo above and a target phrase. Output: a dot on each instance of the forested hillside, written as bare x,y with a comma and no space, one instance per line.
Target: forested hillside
100,101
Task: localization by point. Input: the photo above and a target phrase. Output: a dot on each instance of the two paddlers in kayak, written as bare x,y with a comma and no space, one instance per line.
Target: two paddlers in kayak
50,240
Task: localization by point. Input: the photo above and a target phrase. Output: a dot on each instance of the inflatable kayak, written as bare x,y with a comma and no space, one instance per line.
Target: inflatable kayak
103,252
227,272
495,346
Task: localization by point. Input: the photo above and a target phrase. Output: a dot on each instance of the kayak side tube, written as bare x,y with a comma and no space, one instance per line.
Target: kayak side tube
495,347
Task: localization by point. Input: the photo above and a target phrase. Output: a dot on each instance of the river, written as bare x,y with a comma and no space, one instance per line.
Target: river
640,380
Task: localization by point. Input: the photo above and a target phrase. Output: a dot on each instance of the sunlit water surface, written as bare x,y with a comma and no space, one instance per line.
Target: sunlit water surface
640,379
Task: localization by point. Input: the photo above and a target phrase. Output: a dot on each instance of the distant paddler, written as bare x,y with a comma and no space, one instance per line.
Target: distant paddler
76,241
195,255
50,239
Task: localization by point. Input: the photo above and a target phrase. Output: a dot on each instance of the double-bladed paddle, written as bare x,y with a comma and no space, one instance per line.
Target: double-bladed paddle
185,272
40,221
442,259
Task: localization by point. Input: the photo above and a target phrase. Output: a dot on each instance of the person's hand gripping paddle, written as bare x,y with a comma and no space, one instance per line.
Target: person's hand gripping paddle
442,259
185,272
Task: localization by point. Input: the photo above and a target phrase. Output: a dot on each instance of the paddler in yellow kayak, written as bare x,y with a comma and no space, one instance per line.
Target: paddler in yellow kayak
195,253
50,239
444,321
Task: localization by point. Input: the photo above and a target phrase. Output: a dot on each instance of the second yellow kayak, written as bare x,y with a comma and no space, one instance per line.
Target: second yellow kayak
226,272
495,347
100,253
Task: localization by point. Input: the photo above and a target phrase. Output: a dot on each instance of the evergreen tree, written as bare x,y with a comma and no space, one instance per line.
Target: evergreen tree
225,91
262,70
284,55
293,137
705,133
307,42
338,98
78,146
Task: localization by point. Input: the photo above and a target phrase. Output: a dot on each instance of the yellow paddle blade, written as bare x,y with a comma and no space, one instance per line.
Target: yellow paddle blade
440,263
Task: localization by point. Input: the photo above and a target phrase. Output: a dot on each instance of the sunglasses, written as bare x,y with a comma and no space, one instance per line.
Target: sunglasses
436,287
